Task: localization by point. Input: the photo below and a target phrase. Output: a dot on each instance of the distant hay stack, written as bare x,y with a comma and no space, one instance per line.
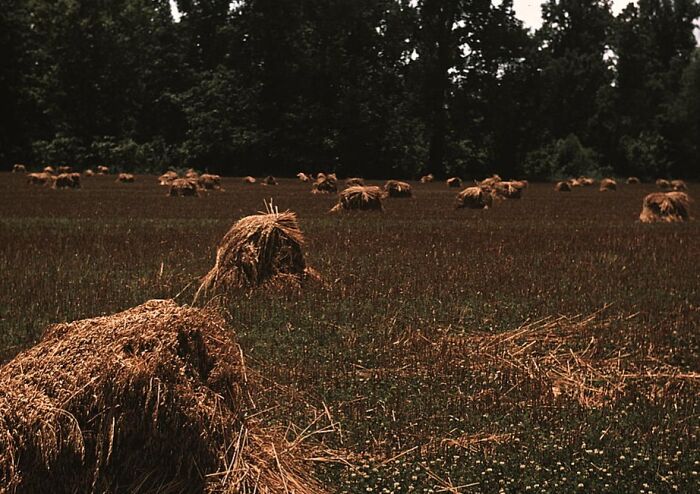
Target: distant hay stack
475,198
41,178
103,170
523,184
325,184
303,177
208,181
65,169
562,187
575,182
454,182
18,168
586,181
153,399
633,181
167,178
183,187
607,184
320,175
679,185
663,184
191,173
666,207
125,178
426,179
397,189
490,181
352,182
249,180
49,169
508,190
89,173
67,181
259,249
269,180
359,198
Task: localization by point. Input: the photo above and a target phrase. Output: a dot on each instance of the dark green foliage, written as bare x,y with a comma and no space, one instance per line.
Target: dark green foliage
371,88
562,159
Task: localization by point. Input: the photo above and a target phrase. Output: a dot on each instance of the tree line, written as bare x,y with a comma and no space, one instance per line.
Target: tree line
374,88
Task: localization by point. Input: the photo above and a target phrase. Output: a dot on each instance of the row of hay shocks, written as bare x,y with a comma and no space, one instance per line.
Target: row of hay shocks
63,177
158,397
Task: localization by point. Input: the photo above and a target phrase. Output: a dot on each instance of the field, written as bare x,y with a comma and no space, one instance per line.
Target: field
548,344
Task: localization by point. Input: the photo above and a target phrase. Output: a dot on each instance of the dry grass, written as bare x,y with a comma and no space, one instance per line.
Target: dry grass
426,179
192,174
303,177
18,168
269,180
125,178
89,173
103,170
475,198
490,181
607,184
49,169
663,184
586,181
359,198
167,178
183,187
153,399
395,188
454,182
325,184
562,187
263,249
507,190
351,182
679,185
633,181
67,181
209,181
249,180
65,169
41,178
666,207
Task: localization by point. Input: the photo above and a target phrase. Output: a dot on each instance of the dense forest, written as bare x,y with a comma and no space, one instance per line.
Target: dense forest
375,88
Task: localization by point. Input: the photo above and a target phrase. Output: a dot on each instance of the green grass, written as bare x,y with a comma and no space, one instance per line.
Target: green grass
419,273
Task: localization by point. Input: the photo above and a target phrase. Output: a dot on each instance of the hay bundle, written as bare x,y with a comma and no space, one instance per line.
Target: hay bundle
490,181
663,184
65,169
49,169
325,184
126,178
258,249
152,399
508,190
475,198
303,177
669,207
679,185
42,178
352,182
88,173
17,168
427,178
67,181
575,182
359,198
586,181
454,182
208,181
167,178
269,180
395,188
183,187
249,180
562,187
523,184
192,174
607,184
320,175
633,181
103,170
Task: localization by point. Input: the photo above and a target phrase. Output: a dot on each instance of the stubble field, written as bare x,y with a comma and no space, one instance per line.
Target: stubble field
548,344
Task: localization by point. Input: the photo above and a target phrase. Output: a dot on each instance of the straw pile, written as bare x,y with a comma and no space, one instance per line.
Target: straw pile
562,187
395,188
475,198
152,399
507,190
183,187
575,182
679,185
586,181
65,169
269,180
191,173
490,181
325,184
425,179
125,178
42,178
633,181
454,182
209,181
67,181
49,169
351,182
88,173
18,168
167,178
607,184
249,180
259,249
663,184
359,198
666,207
303,177
102,170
